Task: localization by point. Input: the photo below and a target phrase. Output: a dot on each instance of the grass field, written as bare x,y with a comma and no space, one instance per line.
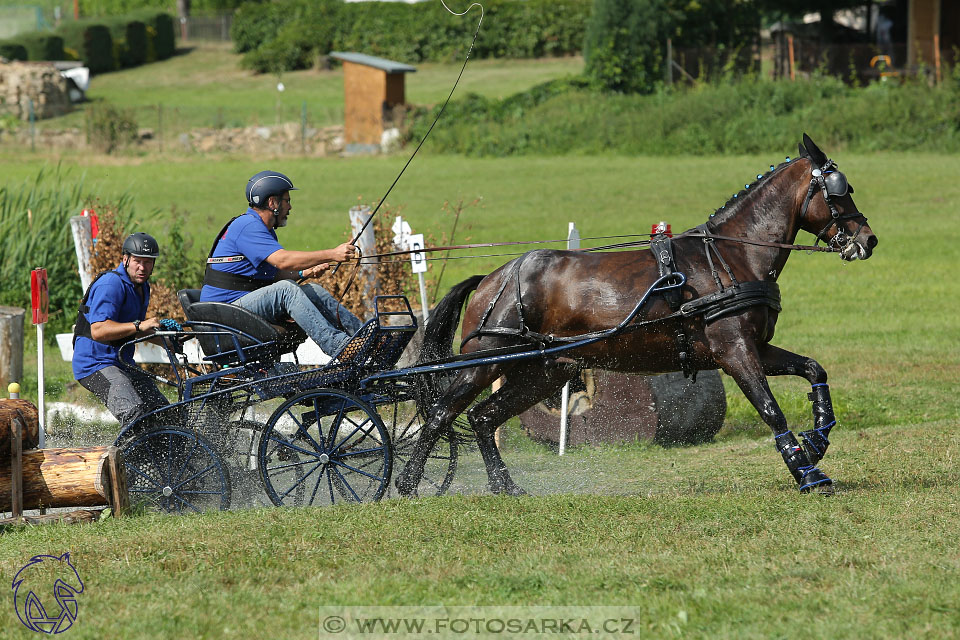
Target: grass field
710,541
204,87
706,542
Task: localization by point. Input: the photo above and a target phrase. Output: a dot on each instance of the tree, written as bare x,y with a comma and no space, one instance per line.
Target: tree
624,44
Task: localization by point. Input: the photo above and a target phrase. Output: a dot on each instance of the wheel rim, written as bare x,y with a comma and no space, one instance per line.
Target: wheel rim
324,447
404,423
176,472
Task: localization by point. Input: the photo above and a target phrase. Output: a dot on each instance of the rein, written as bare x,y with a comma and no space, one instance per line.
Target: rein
692,233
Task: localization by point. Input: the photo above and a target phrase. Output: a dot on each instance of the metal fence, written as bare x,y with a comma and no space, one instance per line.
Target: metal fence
209,28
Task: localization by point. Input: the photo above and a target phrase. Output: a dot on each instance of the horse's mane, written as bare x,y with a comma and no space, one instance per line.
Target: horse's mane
736,202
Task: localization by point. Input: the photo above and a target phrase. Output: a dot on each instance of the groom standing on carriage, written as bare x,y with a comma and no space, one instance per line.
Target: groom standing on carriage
248,267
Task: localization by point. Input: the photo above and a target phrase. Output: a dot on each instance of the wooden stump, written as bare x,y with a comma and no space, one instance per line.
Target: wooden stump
67,478
27,412
607,406
11,346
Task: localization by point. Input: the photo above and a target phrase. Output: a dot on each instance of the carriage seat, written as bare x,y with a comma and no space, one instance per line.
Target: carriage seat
270,341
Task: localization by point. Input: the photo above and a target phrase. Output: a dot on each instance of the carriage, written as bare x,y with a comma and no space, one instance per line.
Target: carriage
334,433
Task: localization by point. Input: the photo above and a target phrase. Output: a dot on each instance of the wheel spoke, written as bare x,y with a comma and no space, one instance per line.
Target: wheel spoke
356,470
301,480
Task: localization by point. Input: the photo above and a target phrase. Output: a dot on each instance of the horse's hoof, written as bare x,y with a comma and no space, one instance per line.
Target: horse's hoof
511,490
405,487
816,481
823,490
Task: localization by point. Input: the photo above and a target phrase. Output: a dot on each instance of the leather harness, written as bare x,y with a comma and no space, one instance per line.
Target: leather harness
725,301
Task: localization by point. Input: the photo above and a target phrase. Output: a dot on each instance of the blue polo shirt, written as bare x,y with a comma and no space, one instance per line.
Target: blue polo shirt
112,297
249,237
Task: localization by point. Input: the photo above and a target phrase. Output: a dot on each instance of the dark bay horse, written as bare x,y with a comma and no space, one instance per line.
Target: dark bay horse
725,317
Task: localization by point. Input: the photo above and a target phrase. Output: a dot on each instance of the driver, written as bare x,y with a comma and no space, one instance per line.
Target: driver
248,267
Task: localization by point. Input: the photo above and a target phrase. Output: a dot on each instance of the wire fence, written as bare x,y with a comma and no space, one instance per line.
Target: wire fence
787,57
311,130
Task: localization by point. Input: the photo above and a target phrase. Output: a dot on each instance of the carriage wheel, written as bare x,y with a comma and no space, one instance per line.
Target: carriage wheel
176,471
322,447
404,423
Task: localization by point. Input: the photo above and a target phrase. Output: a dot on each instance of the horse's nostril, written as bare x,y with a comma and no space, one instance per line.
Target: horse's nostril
872,241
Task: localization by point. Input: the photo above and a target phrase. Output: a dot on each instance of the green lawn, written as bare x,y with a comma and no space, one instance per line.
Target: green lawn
707,542
204,86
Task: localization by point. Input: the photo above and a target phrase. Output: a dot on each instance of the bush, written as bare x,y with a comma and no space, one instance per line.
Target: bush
750,116
623,49
281,36
129,41
92,41
160,33
13,51
35,232
41,46
110,128
255,24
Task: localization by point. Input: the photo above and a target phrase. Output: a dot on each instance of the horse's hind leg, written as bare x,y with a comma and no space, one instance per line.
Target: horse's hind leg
743,364
780,362
466,386
523,387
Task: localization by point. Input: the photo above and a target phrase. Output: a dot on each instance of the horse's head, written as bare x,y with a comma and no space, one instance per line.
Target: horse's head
828,210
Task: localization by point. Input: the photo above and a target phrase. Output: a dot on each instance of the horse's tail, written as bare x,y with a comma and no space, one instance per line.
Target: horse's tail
439,332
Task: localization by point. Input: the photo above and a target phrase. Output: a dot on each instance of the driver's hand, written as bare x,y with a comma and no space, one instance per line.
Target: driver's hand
344,252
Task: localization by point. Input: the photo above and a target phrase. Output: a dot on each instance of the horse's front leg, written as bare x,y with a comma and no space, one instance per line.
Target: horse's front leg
780,362
742,362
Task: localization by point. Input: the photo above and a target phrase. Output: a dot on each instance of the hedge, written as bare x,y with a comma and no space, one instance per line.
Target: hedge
13,51
92,42
129,41
163,36
287,35
41,46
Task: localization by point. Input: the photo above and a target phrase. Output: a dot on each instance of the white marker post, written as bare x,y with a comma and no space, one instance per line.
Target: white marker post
418,260
573,242
40,302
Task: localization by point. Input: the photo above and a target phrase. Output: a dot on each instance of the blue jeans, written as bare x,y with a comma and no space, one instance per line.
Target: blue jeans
310,306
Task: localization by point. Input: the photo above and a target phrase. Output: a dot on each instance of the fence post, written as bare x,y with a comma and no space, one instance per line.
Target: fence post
33,125
669,61
367,244
303,127
790,56
11,345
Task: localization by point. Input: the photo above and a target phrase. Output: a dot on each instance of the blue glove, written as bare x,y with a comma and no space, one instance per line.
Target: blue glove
169,324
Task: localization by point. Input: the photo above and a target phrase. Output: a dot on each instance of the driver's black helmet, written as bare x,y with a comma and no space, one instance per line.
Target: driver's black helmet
141,245
265,184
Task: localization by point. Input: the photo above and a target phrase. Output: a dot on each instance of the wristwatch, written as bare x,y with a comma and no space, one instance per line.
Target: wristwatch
136,326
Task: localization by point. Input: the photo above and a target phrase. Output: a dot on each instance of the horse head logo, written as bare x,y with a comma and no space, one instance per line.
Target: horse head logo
41,576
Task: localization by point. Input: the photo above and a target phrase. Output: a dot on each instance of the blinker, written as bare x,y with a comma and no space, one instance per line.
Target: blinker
837,185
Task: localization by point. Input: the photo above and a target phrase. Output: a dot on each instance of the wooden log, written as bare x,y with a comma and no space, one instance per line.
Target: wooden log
16,467
12,408
67,517
62,478
11,346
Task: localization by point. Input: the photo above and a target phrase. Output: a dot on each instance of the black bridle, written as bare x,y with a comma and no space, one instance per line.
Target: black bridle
832,183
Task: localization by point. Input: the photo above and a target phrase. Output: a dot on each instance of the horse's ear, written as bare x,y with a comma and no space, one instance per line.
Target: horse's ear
819,158
803,151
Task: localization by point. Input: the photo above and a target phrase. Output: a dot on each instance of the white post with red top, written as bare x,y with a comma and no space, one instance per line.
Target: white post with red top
573,242
40,303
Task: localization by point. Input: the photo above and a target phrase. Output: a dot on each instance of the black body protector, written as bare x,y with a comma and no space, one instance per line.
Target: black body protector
222,279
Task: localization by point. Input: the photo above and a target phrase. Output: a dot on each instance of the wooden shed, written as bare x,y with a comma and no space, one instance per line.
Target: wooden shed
373,88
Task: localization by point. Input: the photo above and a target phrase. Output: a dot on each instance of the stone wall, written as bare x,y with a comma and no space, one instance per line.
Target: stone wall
21,82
